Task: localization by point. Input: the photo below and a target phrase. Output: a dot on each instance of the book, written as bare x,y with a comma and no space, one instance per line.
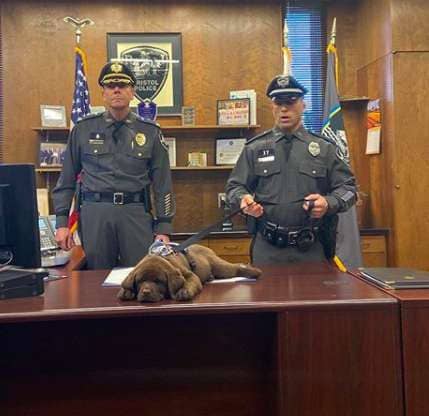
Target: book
251,94
396,277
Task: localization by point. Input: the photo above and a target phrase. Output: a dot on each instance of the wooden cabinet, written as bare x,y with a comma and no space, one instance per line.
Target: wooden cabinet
235,250
374,250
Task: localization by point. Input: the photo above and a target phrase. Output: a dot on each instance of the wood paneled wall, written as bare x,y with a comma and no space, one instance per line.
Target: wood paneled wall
226,45
389,51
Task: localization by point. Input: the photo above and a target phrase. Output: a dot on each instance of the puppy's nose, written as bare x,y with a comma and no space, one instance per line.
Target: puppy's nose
146,291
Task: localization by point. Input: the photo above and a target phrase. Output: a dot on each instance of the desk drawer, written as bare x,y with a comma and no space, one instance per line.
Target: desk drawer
230,246
373,244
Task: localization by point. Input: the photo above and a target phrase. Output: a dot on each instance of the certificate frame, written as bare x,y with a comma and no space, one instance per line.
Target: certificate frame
156,60
227,151
53,115
233,112
171,145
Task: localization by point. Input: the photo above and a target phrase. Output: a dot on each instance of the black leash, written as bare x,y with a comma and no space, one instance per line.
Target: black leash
203,233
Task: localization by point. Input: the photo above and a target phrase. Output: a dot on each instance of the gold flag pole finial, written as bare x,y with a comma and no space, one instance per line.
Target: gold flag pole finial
78,24
286,51
332,48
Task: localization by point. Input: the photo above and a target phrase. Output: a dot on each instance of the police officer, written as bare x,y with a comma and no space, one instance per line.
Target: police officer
118,156
291,181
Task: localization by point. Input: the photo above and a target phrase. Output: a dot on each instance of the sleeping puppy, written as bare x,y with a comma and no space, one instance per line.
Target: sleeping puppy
178,276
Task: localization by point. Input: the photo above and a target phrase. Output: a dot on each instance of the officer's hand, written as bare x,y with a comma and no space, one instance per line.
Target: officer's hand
316,204
162,237
64,238
250,207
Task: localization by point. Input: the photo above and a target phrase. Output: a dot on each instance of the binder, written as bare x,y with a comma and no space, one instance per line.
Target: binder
396,277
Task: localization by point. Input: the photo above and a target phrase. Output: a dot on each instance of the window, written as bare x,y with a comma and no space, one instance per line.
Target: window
307,42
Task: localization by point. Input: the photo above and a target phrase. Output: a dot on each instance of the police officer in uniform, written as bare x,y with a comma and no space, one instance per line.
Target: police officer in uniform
118,156
291,183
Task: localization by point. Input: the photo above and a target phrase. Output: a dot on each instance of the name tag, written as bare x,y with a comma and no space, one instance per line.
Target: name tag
96,141
266,159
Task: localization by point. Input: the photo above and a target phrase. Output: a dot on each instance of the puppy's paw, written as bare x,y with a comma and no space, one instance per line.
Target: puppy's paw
183,294
246,270
126,294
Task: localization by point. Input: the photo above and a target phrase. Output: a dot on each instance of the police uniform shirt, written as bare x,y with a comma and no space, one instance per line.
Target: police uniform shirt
278,172
116,157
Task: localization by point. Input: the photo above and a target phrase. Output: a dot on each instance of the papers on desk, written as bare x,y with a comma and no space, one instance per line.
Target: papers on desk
118,274
233,280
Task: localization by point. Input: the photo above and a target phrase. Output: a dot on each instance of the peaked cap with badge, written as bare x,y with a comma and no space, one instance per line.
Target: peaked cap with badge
114,72
285,87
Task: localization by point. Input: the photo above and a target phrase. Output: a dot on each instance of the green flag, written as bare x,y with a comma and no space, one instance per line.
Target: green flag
348,237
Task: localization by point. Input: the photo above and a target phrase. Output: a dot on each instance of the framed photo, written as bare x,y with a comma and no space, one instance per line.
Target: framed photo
188,116
171,144
156,60
228,150
53,115
52,154
233,112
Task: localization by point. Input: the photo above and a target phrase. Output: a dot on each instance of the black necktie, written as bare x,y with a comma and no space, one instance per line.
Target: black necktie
117,125
287,145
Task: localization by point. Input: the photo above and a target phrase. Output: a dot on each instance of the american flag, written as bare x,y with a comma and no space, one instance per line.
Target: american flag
80,107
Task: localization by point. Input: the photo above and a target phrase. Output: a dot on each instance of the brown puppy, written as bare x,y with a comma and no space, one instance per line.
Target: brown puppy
178,276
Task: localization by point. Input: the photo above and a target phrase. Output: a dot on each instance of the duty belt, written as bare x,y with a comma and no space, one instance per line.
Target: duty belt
301,237
116,198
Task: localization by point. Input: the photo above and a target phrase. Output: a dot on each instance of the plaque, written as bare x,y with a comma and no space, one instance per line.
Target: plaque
197,159
228,150
233,112
188,116
53,115
147,110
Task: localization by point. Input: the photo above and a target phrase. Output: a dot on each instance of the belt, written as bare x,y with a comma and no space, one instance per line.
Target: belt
116,198
301,237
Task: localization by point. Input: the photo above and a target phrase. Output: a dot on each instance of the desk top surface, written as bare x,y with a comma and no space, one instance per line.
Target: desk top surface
309,285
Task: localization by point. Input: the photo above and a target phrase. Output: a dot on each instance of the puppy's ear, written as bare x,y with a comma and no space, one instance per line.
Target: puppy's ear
175,282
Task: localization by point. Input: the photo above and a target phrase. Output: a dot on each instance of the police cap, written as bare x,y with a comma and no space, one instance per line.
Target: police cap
285,88
114,72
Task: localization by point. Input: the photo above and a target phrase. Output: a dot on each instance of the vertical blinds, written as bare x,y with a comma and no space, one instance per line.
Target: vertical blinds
307,42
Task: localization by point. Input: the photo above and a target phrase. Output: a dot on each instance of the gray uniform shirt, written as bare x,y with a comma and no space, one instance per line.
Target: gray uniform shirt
278,173
116,158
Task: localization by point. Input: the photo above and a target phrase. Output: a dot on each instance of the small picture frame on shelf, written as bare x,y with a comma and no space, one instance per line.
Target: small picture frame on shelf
52,154
197,159
228,150
233,112
188,116
171,144
53,115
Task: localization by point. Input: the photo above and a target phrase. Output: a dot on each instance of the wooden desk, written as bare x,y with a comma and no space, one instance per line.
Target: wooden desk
414,306
301,341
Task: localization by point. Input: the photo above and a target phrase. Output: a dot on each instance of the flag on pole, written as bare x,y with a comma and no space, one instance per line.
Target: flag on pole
80,108
348,238
287,54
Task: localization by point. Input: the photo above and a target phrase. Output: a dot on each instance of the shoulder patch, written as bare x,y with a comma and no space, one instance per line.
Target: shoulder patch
258,136
89,117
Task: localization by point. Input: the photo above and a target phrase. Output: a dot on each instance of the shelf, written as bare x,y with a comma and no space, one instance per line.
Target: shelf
60,129
209,127
353,99
180,168
47,170
202,167
167,128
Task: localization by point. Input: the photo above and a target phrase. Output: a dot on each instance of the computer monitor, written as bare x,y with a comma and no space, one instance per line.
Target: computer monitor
19,229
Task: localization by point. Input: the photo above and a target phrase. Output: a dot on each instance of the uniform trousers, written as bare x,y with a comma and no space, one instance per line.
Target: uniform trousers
263,252
115,235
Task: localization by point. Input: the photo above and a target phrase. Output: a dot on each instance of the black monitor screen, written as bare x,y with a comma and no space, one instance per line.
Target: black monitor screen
19,230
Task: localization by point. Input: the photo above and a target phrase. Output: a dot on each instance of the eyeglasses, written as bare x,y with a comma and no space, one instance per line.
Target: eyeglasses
113,85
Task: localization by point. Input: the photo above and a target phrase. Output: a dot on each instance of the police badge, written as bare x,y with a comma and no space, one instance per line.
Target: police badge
314,149
140,139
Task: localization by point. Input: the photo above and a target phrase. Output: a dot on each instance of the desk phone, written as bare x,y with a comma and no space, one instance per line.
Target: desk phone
51,254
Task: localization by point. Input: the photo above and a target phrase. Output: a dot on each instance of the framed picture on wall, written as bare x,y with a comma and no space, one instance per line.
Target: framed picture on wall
52,154
156,60
233,112
53,115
